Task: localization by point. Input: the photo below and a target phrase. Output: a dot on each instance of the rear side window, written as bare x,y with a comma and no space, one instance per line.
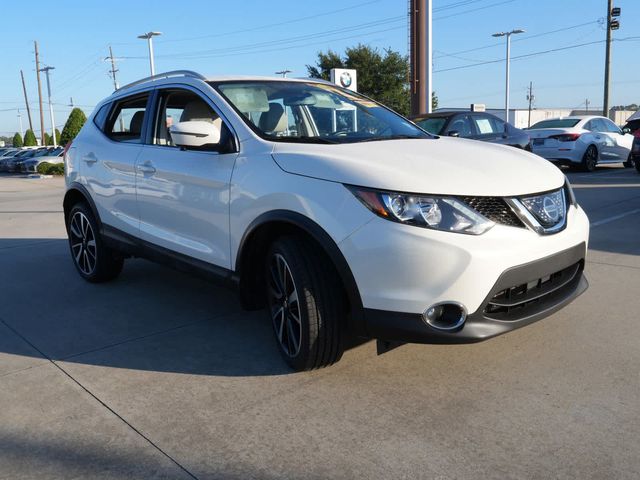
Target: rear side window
101,115
126,119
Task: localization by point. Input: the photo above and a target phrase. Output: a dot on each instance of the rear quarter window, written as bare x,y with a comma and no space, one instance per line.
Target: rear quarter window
100,118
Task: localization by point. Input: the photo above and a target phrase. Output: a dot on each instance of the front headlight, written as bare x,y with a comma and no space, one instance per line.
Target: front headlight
428,211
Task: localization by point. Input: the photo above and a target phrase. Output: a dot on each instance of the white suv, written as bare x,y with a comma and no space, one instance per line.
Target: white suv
338,215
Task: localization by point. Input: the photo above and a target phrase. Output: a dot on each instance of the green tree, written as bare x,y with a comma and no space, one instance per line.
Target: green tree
57,136
434,101
17,140
381,75
30,139
72,127
47,139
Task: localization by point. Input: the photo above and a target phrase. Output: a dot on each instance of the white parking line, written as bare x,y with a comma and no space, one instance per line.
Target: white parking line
614,218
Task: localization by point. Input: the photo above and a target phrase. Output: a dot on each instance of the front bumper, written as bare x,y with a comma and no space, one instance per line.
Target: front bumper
401,270
484,324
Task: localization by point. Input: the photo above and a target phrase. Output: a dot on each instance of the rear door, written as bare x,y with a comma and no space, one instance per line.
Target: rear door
183,195
107,161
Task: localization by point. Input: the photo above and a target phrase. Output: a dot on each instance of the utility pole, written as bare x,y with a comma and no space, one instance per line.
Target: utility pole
421,58
283,72
531,98
149,38
53,123
26,100
113,69
508,60
586,104
39,95
612,24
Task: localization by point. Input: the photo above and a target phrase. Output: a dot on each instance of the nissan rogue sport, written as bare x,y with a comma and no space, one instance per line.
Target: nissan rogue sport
338,216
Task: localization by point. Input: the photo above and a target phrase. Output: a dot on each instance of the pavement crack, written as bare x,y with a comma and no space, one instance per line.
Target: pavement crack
97,399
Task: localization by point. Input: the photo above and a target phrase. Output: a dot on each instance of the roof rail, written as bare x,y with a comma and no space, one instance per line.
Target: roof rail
174,73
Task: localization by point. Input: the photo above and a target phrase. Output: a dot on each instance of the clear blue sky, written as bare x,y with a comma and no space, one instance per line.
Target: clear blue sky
259,37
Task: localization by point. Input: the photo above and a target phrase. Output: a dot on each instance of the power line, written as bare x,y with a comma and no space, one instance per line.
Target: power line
521,39
527,55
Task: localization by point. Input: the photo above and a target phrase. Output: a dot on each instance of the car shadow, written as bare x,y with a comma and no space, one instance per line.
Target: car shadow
150,318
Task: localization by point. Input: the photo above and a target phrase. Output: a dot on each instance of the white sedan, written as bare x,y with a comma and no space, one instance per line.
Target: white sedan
581,141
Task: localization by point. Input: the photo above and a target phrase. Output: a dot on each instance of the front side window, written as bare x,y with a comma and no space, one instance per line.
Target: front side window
313,112
487,125
610,126
126,120
462,125
180,106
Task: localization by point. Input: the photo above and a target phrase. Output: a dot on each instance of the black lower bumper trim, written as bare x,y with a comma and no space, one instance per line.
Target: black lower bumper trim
410,328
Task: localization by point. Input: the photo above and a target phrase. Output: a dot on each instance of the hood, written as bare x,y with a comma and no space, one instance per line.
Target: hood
447,166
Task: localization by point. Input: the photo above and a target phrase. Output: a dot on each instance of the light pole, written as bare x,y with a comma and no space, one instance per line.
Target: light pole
149,38
20,121
506,94
53,124
283,72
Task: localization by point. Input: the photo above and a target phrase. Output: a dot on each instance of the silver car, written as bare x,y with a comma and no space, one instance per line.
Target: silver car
581,141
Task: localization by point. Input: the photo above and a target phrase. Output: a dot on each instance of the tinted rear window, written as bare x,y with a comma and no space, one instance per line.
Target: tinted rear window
557,123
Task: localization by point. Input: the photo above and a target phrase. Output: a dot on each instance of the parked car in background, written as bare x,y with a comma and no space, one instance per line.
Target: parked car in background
52,155
474,125
367,226
581,141
7,164
635,150
7,151
633,123
16,164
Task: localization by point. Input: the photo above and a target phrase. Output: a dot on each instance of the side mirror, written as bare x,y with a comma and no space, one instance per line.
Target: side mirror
196,134
626,130
453,133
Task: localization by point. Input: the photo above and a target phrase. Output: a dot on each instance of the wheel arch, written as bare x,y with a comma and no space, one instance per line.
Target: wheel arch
273,224
78,193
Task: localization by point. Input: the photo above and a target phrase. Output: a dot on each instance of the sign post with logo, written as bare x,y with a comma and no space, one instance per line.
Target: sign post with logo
346,78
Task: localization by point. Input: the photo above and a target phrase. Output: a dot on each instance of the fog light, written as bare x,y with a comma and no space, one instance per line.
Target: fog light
445,315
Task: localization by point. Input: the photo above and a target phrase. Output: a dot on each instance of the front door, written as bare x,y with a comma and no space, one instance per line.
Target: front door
183,195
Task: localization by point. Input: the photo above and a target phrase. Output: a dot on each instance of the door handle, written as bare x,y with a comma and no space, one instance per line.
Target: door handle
90,158
146,167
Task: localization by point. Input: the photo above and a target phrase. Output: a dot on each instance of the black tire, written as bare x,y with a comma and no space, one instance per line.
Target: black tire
630,163
320,304
94,261
590,159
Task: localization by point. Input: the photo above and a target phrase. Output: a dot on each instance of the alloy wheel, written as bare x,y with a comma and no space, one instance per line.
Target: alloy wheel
284,306
83,243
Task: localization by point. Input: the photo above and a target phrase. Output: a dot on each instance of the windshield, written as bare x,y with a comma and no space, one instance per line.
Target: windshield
557,123
433,124
313,113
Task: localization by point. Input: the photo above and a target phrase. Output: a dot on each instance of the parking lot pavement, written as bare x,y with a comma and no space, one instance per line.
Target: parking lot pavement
161,375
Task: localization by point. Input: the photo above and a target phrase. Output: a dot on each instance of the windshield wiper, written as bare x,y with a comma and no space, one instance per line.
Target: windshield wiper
304,140
393,137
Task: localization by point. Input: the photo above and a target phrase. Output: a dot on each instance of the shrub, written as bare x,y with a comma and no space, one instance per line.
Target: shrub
46,168
72,126
30,139
17,140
